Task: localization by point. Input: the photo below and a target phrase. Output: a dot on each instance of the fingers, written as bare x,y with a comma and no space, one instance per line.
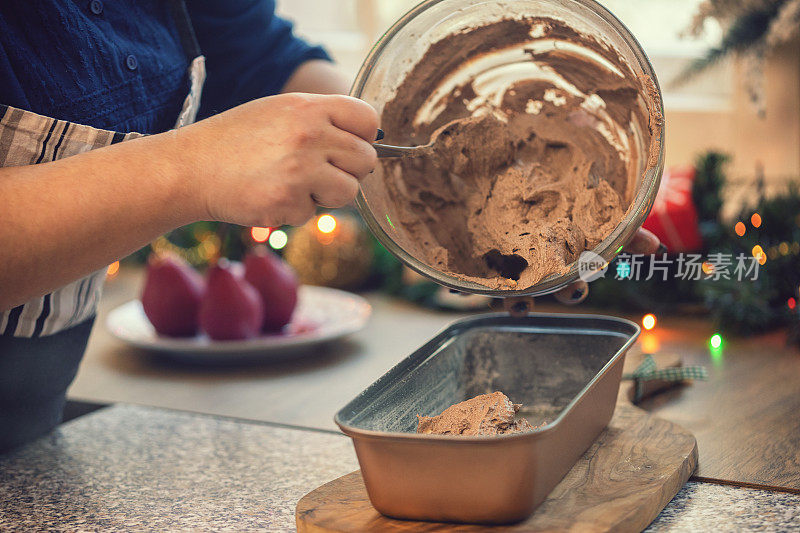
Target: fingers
643,242
300,211
331,189
354,116
573,294
352,154
518,306
334,188
321,147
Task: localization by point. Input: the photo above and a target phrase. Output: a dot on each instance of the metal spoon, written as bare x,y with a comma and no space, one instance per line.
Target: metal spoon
387,150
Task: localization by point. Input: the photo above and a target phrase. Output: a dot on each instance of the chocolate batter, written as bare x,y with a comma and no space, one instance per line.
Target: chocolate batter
539,146
487,414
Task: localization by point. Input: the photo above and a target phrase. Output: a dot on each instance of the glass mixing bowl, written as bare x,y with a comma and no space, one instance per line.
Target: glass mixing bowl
404,44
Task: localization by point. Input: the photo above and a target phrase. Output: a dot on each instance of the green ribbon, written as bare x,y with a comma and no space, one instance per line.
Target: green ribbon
647,371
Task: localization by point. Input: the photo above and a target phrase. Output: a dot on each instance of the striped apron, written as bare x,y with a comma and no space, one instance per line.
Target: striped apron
43,340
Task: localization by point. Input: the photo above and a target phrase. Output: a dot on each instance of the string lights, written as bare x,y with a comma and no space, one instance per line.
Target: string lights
278,239
113,269
206,250
715,341
715,347
326,224
260,234
773,252
758,253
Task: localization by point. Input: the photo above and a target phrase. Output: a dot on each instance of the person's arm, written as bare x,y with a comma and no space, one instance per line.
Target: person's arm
61,220
317,76
266,163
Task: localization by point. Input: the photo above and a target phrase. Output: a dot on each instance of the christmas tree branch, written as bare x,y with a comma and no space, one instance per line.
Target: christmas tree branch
745,33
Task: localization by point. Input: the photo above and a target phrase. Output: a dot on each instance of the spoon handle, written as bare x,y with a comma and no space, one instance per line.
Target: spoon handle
386,150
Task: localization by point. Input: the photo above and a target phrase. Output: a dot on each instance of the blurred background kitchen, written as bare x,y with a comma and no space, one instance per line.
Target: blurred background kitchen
730,74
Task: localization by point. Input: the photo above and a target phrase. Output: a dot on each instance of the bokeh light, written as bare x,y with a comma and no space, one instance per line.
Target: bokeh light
715,341
791,303
755,220
260,234
209,247
716,347
758,253
650,343
649,321
783,248
113,269
278,239
708,268
326,224
740,228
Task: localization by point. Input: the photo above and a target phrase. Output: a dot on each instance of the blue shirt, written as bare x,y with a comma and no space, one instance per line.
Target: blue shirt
120,64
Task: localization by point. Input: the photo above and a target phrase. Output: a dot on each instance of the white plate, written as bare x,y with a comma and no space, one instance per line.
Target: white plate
322,315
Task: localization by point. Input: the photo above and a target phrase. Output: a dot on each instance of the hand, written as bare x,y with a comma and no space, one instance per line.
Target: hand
643,242
272,161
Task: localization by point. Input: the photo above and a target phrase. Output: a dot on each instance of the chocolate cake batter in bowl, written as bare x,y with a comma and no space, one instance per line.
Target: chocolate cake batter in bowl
549,131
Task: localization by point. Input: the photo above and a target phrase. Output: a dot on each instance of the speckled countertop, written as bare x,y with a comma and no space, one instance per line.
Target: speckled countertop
136,468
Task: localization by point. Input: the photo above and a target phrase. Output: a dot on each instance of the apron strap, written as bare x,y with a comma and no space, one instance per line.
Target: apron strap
197,65
185,29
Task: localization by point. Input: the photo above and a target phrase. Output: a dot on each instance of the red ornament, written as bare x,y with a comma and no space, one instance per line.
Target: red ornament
674,216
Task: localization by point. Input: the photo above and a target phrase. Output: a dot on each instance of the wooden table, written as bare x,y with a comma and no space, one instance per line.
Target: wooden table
746,417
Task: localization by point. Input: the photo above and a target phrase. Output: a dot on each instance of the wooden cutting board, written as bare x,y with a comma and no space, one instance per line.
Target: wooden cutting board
621,483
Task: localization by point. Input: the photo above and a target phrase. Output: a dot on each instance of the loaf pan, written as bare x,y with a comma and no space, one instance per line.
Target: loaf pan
564,369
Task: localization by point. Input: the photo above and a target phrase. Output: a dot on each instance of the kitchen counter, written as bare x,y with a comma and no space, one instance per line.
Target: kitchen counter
132,468
306,388
751,391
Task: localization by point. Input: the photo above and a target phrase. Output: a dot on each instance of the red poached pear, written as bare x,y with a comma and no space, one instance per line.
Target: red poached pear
277,284
171,296
231,308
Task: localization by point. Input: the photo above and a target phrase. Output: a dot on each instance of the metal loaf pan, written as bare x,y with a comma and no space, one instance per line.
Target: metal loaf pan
564,369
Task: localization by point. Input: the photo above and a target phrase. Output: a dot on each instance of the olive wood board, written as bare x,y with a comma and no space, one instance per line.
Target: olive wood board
634,468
